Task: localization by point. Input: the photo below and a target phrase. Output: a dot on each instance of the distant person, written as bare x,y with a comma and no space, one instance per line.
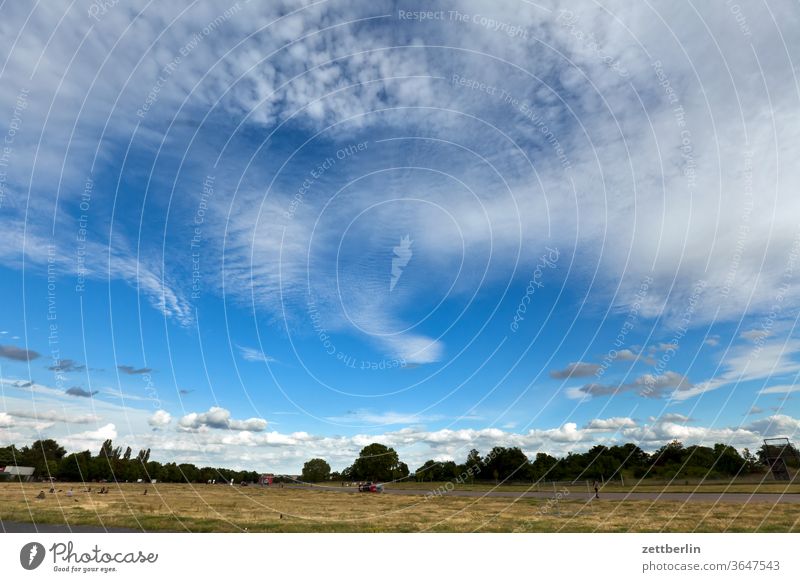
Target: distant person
145,491
596,490
70,493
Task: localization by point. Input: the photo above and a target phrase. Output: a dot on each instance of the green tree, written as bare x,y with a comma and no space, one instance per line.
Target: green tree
473,465
8,455
751,463
427,472
75,467
543,467
670,454
401,471
507,463
107,449
99,468
43,455
729,461
377,462
316,470
191,474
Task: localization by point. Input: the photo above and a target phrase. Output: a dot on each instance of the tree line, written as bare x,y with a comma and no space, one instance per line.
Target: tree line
377,462
49,459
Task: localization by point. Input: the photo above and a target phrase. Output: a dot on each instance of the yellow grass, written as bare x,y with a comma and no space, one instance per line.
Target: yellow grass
647,486
218,508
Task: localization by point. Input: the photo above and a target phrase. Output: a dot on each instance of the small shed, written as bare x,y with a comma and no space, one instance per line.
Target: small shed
23,473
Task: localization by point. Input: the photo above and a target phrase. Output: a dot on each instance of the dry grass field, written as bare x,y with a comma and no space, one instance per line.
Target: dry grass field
210,508
765,485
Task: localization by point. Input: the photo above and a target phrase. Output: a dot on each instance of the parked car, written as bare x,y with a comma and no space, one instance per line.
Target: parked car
370,487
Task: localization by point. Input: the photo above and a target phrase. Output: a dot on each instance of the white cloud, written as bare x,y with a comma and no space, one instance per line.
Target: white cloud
6,420
765,360
364,416
90,439
286,452
670,417
754,335
160,419
621,136
39,410
778,425
610,423
254,355
781,389
55,416
663,432
219,418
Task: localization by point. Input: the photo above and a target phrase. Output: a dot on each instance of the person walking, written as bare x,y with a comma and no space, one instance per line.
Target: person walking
596,490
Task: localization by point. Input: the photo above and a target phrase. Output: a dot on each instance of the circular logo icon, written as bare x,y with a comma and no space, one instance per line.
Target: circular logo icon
31,555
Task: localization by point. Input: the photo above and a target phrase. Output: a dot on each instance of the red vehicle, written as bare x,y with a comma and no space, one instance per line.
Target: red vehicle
370,487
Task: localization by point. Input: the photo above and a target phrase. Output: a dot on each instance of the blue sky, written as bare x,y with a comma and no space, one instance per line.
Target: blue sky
251,235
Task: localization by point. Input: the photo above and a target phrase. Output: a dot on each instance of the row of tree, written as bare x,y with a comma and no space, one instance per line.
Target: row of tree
49,459
601,462
377,462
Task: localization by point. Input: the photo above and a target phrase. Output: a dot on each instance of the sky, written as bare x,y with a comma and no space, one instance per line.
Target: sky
249,234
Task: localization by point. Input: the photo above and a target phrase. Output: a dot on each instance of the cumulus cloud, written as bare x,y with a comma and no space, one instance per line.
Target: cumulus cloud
286,452
660,433
90,439
778,425
160,419
415,445
575,370
219,418
18,354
